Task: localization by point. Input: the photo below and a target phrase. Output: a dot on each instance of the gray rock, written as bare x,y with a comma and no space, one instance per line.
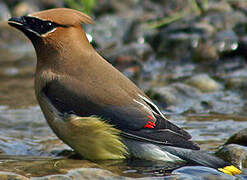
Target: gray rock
239,4
178,97
219,6
204,83
237,83
234,153
201,173
108,31
84,173
238,138
225,20
226,41
10,176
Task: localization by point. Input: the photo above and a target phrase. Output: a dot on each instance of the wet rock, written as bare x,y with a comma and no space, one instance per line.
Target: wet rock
31,166
38,167
238,138
9,175
108,32
144,9
111,31
243,46
119,43
176,97
139,52
241,31
129,58
205,39
4,12
205,52
10,71
204,83
240,4
225,20
176,42
226,41
200,172
220,6
239,83
84,173
179,98
116,7
232,68
234,153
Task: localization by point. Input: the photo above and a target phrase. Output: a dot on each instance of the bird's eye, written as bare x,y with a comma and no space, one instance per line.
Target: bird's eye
40,26
47,26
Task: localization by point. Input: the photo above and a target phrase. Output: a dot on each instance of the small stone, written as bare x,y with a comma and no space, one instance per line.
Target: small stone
84,173
234,153
205,51
238,138
221,6
177,97
237,83
11,71
239,4
9,176
194,172
204,83
226,41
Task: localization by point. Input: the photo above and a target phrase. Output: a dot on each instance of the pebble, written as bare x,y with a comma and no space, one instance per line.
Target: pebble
11,176
204,83
234,153
238,138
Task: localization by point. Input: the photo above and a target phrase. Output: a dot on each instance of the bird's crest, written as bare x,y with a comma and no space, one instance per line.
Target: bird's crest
63,16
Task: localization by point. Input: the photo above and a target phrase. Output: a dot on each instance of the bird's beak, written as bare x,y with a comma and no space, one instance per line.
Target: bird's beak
17,22
21,23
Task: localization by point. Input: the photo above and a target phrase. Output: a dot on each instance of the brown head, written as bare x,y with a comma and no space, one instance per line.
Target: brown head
50,30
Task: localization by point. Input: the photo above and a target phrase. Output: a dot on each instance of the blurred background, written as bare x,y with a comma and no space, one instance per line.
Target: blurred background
189,56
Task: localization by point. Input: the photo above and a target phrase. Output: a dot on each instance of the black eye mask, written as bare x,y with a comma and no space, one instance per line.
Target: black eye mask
39,26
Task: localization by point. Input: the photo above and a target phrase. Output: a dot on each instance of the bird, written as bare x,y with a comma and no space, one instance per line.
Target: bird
91,106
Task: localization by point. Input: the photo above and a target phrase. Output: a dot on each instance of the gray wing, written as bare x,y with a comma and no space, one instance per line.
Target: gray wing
131,120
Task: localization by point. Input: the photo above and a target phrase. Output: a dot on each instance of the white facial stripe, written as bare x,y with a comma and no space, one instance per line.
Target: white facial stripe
29,15
13,22
44,35
150,102
34,32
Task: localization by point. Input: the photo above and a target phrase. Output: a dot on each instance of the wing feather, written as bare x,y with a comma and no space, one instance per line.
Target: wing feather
129,119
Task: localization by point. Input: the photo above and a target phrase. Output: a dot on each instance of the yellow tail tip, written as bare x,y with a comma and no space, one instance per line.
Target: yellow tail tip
231,170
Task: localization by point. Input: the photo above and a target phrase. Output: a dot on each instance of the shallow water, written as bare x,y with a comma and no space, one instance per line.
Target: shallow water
29,147
27,141
25,131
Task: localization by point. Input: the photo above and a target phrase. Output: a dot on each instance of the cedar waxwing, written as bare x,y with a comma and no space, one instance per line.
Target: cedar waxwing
93,107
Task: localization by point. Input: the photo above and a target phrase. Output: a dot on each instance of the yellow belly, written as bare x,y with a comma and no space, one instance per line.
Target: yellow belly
93,138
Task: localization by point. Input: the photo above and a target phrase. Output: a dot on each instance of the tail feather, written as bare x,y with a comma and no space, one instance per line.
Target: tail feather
203,158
